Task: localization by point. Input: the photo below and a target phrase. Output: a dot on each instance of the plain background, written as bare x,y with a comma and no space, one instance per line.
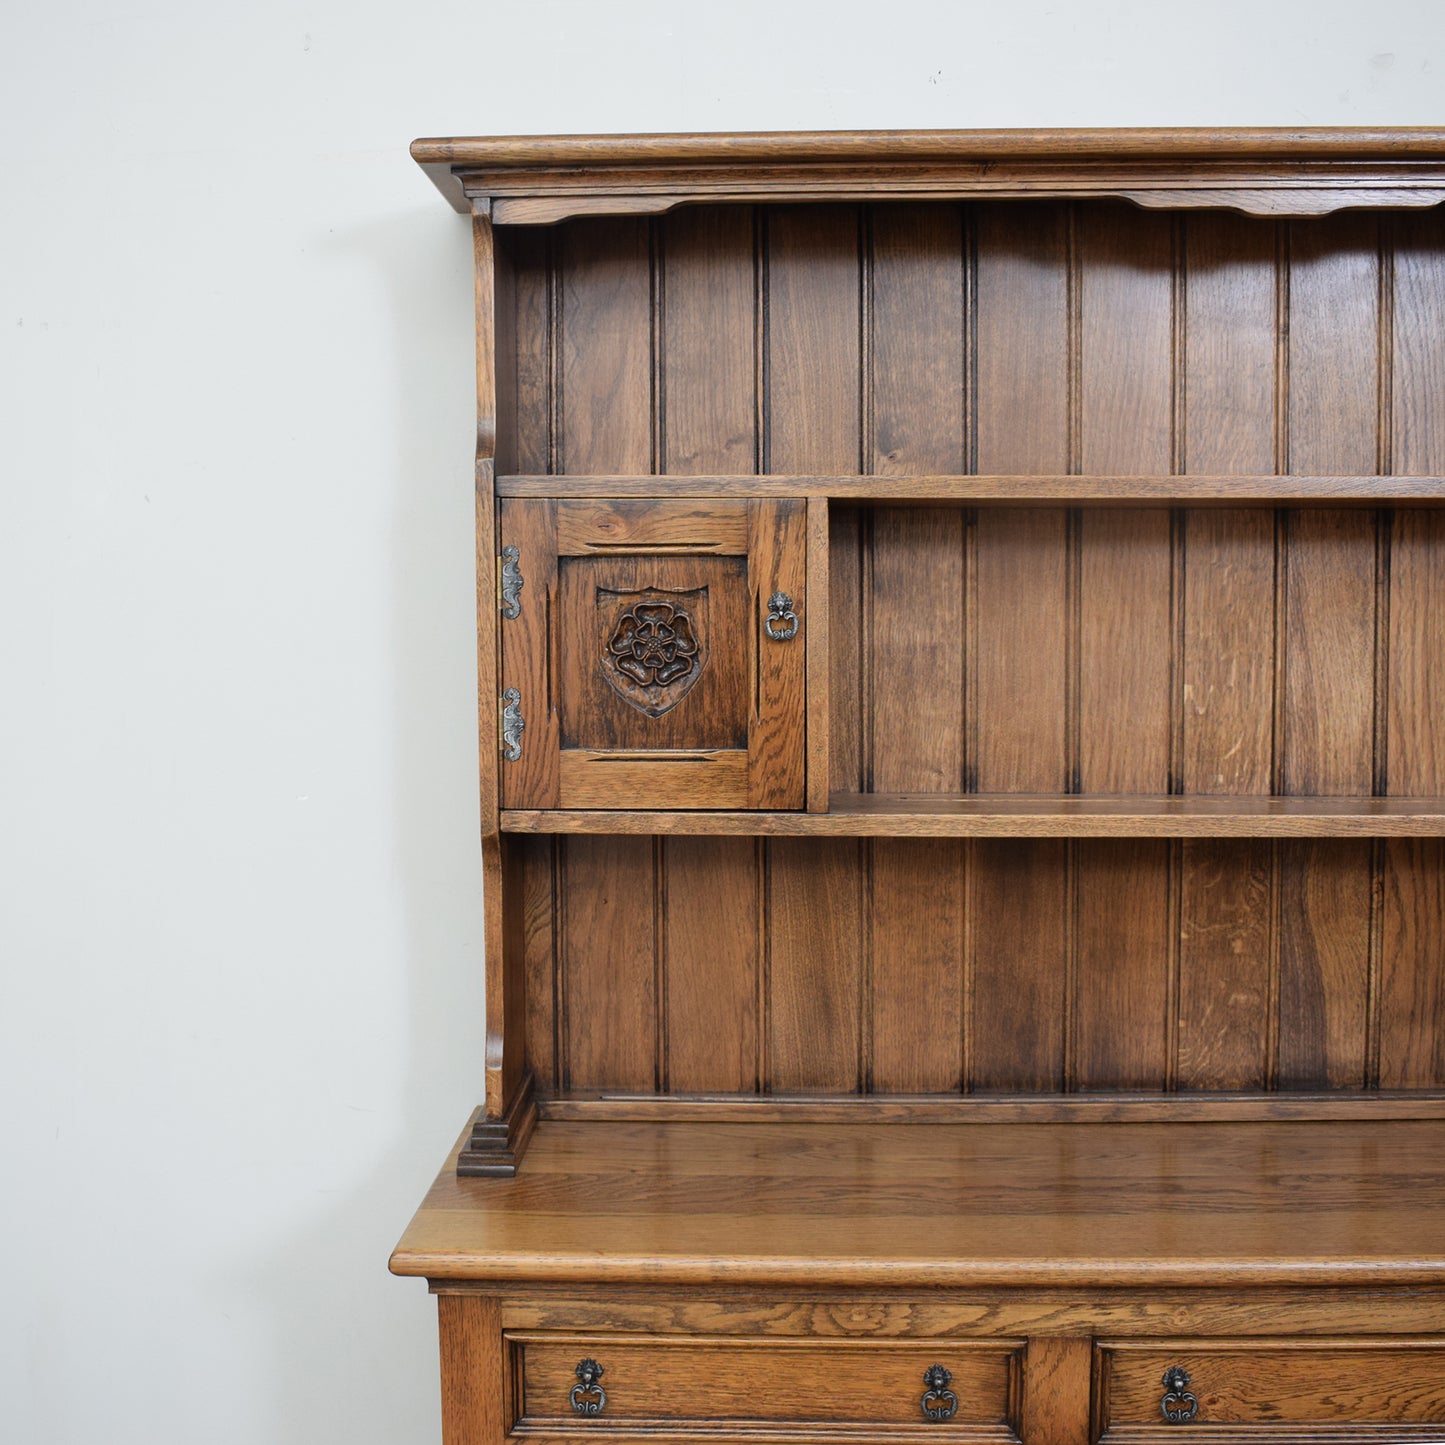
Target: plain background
239,903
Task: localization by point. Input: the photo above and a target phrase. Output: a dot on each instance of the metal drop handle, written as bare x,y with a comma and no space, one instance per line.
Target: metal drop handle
939,1402
781,623
1178,1406
587,1396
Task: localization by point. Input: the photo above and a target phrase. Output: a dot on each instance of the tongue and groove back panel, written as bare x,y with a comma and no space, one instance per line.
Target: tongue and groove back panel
1029,650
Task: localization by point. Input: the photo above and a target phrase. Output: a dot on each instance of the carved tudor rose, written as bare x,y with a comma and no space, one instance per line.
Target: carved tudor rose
656,652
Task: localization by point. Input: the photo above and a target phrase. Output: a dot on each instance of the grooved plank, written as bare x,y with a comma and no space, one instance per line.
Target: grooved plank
1126,341
818,703
1228,647
1124,652
711,961
1415,691
917,325
1329,654
1230,344
846,530
1334,344
813,339
1324,963
531,364
1224,965
1022,338
709,341
1121,1007
1021,630
917,974
606,347
1017,915
535,858
608,963
815,924
917,656
1417,424
1412,980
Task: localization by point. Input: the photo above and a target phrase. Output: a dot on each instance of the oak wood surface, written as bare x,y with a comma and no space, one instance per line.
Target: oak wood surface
1368,1381
1088,489
1191,1206
1025,815
670,1379
1303,171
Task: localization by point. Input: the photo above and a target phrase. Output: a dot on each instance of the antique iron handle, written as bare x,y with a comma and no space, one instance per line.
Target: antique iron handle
587,1396
1178,1406
939,1402
781,623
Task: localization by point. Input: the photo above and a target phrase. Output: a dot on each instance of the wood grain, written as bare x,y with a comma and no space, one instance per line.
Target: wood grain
1412,983
812,340
671,1379
708,916
1121,1011
606,390
1056,1206
918,941
609,1016
815,965
1016,1007
709,369
471,1366
1324,964
1278,1383
1224,966
916,363
1415,686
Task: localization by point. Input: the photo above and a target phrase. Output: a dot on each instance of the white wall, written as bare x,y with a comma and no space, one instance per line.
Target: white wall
239,908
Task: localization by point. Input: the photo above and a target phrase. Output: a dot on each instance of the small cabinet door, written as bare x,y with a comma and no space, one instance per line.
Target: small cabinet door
653,653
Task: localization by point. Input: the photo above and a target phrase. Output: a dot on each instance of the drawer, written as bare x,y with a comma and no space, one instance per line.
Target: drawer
1273,1387
767,1384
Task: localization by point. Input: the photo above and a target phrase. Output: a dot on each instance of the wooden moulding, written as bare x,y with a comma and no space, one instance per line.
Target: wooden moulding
1302,172
1101,1108
1019,490
1019,815
493,1147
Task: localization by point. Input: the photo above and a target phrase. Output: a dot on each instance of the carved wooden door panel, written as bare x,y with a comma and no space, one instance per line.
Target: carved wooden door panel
653,653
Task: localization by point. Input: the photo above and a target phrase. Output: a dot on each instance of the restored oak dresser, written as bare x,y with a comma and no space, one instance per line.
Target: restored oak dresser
962,694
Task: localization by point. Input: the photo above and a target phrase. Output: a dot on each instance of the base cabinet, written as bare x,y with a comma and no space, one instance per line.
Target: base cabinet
506,1379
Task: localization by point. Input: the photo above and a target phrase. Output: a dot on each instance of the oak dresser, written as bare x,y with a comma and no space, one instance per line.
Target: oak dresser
962,691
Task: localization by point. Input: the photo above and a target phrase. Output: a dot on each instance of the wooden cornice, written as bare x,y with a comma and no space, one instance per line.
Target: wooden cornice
1280,172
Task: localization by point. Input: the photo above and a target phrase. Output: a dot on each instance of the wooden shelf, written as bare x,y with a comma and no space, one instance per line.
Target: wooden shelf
869,1205
917,815
1094,490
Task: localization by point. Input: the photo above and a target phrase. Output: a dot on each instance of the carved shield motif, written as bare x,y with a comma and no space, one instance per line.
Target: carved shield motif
656,645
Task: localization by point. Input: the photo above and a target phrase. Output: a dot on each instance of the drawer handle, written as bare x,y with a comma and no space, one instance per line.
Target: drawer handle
1178,1406
588,1397
939,1402
780,610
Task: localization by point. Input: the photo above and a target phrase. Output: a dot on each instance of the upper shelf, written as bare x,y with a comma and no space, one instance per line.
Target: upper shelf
1015,815
1193,491
1296,172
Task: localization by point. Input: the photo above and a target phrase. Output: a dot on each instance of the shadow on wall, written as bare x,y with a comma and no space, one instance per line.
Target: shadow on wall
359,1361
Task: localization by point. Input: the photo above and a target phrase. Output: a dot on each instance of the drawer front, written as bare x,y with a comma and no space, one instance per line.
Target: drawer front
767,1383
1270,1383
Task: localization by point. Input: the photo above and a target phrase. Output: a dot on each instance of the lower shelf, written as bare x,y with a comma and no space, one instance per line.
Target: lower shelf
1014,815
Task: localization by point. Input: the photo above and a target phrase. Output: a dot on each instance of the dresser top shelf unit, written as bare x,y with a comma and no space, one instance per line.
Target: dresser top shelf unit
962,719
